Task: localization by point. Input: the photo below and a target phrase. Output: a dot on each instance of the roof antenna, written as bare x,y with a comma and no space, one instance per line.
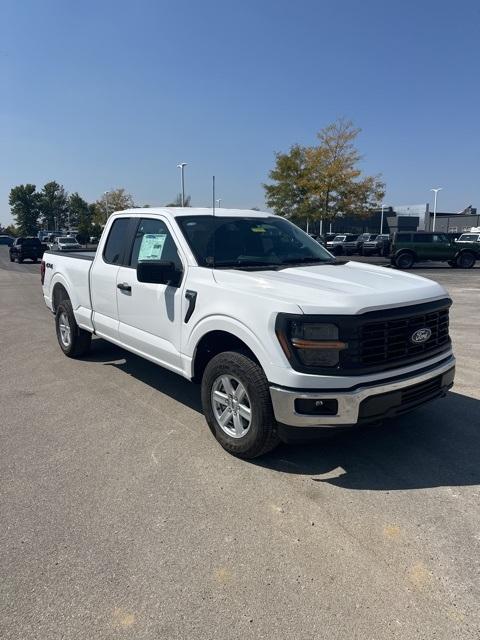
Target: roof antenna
214,230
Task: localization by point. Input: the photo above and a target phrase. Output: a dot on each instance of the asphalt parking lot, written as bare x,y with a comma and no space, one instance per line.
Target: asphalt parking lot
120,516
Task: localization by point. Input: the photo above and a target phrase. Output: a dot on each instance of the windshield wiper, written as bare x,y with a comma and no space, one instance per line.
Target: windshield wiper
307,260
246,264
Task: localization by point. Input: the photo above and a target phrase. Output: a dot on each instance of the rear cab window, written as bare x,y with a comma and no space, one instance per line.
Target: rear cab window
113,252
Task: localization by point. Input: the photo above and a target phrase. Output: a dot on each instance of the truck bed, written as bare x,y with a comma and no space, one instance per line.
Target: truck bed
81,254
71,269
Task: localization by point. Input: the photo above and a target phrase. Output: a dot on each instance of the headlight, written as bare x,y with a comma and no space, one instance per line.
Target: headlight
314,344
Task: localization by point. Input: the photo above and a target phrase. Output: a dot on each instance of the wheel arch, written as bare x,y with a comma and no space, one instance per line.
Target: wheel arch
211,344
223,334
60,291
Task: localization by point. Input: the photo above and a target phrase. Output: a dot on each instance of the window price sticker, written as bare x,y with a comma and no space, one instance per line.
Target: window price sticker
152,246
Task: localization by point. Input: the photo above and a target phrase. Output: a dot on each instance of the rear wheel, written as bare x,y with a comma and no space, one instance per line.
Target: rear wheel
404,260
18,260
12,259
237,406
34,260
73,341
465,260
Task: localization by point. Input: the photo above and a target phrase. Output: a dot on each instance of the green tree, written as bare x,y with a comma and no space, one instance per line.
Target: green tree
23,201
111,201
11,230
80,214
178,201
53,203
322,181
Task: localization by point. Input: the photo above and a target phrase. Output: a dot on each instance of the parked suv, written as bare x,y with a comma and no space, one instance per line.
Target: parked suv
8,240
356,246
469,237
337,246
408,248
26,248
377,245
65,243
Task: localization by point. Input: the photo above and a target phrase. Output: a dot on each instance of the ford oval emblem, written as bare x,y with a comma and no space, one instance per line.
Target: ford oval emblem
421,335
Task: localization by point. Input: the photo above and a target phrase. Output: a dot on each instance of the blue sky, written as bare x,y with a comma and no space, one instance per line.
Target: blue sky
105,94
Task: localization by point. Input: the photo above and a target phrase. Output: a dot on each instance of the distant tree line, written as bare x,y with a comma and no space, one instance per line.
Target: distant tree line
52,208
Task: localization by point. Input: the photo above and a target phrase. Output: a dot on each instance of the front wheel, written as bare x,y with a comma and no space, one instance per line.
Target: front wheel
404,260
73,341
465,260
237,405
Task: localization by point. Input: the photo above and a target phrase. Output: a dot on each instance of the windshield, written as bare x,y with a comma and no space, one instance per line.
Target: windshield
222,241
66,240
339,238
469,237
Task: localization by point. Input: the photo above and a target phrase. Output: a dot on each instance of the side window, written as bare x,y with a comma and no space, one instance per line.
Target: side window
153,241
403,237
439,237
113,252
423,237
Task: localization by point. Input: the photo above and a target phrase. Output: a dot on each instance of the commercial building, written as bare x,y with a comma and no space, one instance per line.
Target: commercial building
415,217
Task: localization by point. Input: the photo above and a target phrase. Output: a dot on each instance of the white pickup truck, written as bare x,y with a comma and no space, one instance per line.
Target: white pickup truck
282,337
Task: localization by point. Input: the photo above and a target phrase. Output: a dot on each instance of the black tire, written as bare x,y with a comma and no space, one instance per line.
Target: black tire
465,260
261,435
18,260
404,260
34,260
12,259
79,339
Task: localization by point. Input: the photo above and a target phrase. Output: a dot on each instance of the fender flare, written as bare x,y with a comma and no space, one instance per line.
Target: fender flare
475,252
58,278
229,325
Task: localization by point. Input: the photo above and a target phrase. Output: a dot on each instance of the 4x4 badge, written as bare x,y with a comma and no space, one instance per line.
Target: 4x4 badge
421,335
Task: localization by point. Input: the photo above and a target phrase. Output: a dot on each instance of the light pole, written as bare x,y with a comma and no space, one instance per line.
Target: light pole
381,220
435,206
106,194
182,166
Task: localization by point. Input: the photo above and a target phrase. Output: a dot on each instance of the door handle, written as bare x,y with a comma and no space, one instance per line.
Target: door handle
124,286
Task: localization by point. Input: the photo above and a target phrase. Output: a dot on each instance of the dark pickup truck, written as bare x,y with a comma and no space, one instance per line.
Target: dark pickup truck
26,248
408,248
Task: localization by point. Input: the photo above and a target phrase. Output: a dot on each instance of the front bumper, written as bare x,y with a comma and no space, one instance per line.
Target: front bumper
367,403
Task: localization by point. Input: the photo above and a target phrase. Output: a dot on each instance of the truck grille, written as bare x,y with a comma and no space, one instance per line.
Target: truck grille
390,340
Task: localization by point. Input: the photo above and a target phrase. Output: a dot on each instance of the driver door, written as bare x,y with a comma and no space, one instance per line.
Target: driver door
150,314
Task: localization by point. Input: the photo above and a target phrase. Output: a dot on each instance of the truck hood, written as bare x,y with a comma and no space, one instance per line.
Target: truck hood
354,287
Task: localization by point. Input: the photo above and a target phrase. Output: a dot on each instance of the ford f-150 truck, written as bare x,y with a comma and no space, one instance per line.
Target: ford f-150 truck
282,337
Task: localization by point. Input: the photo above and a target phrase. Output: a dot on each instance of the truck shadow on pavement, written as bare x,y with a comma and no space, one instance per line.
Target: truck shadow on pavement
164,381
437,445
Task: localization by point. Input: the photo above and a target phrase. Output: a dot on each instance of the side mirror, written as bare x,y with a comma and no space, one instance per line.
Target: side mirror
159,272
